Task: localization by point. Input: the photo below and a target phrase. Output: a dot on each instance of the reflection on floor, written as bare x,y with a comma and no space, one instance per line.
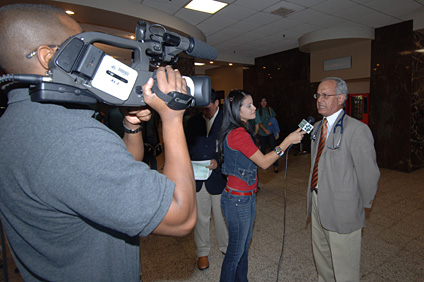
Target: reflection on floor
393,240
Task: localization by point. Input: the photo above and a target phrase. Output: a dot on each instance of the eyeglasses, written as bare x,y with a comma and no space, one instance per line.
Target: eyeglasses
325,96
33,53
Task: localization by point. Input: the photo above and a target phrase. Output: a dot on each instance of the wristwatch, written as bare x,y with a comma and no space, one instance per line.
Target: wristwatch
132,131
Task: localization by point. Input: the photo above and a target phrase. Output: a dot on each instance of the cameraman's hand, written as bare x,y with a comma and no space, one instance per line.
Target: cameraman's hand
132,119
168,80
135,116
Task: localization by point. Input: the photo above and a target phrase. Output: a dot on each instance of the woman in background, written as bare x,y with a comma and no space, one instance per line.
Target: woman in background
240,157
264,114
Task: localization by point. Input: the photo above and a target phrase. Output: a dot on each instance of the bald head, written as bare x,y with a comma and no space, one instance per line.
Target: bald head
26,27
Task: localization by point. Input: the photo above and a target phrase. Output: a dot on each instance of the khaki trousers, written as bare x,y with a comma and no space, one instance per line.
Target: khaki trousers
337,256
207,204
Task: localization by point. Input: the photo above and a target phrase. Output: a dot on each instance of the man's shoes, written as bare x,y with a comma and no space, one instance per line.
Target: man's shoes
276,169
202,263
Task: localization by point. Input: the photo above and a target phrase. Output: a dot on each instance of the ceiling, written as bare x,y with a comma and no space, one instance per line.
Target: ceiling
247,29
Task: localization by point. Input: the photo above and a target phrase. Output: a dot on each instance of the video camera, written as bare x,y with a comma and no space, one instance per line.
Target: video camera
82,73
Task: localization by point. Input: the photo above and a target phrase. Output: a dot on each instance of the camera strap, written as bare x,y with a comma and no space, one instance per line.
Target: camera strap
174,100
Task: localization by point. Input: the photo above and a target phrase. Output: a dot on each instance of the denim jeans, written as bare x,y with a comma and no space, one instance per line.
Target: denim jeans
239,212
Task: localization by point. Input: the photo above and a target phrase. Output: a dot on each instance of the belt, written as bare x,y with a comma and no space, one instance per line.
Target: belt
247,193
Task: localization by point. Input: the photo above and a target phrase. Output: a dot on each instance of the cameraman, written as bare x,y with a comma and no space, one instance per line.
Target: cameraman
73,197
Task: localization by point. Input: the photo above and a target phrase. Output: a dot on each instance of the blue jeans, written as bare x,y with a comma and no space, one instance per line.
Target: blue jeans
239,212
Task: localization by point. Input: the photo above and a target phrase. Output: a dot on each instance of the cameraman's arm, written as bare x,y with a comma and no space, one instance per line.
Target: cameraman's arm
133,118
182,214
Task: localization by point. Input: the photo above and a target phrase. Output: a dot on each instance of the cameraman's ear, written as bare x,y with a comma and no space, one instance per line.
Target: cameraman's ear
44,54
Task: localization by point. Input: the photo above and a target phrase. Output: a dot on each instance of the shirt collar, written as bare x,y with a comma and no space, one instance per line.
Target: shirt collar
214,116
332,119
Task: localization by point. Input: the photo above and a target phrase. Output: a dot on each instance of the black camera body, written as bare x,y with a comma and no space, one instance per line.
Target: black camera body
84,74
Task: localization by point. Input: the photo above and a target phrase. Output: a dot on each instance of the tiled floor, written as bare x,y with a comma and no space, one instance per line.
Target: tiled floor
393,240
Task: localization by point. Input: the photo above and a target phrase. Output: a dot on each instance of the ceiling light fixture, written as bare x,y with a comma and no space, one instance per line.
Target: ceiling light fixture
206,6
199,64
69,12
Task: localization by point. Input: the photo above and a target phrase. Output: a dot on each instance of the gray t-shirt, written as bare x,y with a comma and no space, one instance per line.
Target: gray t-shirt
73,200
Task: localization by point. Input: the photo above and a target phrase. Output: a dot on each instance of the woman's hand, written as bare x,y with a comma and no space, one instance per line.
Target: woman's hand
296,136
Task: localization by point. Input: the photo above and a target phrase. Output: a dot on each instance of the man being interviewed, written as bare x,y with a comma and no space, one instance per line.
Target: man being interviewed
342,182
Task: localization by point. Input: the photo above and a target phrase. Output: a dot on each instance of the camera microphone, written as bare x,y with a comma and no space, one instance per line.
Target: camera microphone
191,46
200,49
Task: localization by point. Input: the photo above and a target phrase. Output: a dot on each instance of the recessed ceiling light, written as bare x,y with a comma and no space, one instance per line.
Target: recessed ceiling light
199,64
230,64
69,12
207,6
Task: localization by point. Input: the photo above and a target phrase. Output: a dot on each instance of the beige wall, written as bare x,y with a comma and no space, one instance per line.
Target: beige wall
226,78
358,86
357,77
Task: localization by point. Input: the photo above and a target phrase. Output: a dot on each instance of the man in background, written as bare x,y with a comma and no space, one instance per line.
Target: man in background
342,183
202,132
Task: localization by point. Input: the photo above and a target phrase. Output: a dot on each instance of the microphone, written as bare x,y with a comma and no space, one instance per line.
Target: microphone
191,46
200,49
307,125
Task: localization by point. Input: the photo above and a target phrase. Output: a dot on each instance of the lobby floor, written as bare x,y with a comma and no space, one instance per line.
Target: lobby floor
392,248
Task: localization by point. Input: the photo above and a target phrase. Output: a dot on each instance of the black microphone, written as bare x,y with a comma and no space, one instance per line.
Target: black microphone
200,49
307,125
191,46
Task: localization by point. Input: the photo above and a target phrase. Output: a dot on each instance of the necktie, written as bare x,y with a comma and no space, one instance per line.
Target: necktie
321,145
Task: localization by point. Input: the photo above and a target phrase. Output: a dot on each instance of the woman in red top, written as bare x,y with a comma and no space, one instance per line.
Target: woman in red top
241,157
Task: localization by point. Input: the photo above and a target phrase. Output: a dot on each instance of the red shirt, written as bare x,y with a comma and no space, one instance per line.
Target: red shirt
240,140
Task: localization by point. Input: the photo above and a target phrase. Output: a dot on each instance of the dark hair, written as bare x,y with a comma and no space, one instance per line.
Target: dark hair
43,23
232,119
260,106
213,96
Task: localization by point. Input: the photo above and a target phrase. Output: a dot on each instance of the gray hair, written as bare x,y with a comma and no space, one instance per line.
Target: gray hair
341,86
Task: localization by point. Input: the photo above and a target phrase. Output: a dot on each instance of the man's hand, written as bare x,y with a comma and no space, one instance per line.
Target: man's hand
168,80
134,116
213,165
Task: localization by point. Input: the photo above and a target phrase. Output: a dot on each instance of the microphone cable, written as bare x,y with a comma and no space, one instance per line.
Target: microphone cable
308,130
284,213
25,78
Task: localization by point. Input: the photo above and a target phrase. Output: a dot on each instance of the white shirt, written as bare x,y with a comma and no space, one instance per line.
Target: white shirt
209,122
331,120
